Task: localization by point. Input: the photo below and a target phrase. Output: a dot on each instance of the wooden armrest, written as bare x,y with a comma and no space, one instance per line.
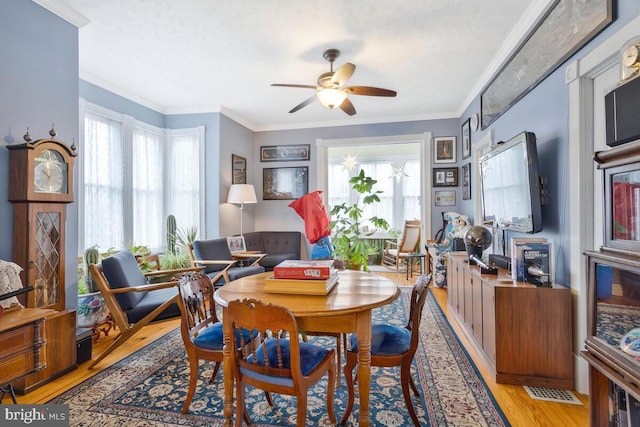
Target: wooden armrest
391,243
214,262
174,271
247,256
144,288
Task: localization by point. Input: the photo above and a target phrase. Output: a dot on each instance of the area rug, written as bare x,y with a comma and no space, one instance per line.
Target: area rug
148,387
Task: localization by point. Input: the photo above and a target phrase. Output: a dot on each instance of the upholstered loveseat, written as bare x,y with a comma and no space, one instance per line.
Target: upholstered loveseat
278,245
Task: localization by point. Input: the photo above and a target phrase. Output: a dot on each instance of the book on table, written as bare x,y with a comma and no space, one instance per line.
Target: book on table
536,265
304,269
518,245
300,286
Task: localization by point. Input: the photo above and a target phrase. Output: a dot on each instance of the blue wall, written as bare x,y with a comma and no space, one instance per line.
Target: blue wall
39,87
545,111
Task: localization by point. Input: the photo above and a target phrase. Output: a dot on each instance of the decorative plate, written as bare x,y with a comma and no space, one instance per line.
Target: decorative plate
630,343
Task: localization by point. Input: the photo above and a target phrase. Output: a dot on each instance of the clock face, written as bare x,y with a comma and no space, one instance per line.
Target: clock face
50,173
631,56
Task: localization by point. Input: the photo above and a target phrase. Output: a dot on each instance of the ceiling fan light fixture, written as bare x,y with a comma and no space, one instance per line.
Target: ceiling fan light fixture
331,98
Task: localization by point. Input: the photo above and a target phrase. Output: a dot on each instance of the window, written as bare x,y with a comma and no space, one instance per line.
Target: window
132,176
400,197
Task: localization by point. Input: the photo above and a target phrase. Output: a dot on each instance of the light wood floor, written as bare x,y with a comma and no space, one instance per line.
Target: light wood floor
516,404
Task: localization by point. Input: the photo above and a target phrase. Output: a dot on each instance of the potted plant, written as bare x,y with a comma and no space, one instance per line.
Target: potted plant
347,225
92,310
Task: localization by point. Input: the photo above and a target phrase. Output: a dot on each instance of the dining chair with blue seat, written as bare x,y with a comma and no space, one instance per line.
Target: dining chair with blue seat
281,363
200,328
220,264
392,346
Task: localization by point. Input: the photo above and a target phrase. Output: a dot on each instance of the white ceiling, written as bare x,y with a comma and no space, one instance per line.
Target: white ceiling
192,56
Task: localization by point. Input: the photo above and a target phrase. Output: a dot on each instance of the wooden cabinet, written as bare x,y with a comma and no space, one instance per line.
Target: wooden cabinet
522,332
22,343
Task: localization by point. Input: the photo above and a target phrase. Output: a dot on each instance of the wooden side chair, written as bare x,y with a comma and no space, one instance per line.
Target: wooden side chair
394,251
280,363
200,328
132,301
219,264
392,346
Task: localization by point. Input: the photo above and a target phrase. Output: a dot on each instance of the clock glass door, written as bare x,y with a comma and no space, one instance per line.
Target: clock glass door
47,259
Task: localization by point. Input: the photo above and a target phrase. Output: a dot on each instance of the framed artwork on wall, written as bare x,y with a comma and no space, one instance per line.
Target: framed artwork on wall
284,153
444,149
466,181
238,169
466,139
445,198
445,177
285,183
566,27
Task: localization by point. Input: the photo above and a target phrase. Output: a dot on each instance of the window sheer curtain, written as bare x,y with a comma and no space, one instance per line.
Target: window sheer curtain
133,176
399,201
186,177
103,176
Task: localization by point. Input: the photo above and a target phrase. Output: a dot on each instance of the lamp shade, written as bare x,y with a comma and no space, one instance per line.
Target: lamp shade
242,193
331,98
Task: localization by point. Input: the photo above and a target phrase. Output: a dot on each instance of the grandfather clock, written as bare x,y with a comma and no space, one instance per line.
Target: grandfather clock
40,187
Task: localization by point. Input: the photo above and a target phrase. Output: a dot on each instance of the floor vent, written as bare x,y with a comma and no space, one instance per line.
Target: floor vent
552,395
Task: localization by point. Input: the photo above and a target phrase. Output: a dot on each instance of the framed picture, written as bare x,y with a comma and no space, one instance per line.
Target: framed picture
444,149
445,177
284,153
238,169
534,59
466,181
445,198
285,183
236,244
466,139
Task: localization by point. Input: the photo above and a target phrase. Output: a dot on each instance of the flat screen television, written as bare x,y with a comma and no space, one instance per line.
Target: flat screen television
511,185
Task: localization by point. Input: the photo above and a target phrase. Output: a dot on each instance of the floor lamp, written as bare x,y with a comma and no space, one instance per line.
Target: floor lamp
242,193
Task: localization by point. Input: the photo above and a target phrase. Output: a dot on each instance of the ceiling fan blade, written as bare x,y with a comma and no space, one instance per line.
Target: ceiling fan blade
292,85
303,104
343,74
369,91
348,107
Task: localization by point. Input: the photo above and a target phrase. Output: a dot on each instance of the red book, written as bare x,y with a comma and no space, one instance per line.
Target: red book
304,269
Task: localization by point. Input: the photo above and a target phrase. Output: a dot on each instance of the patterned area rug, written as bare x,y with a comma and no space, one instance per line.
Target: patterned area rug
148,387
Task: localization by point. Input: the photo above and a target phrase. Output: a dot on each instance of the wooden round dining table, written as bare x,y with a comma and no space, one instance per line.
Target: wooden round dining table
345,309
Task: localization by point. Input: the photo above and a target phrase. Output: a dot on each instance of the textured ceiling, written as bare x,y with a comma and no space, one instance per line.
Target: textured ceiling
192,56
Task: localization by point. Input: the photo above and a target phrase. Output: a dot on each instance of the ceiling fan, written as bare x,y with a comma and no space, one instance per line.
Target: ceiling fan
331,91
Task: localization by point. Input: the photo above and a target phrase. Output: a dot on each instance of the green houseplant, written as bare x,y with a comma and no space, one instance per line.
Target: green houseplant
347,223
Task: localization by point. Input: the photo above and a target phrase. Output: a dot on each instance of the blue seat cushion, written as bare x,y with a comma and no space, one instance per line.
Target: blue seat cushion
150,301
310,357
386,340
122,271
212,338
238,272
271,260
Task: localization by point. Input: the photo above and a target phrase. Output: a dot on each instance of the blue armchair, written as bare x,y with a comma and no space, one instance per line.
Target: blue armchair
219,264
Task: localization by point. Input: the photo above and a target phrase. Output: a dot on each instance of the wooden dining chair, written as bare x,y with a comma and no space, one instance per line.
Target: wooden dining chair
280,363
394,251
200,328
392,346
